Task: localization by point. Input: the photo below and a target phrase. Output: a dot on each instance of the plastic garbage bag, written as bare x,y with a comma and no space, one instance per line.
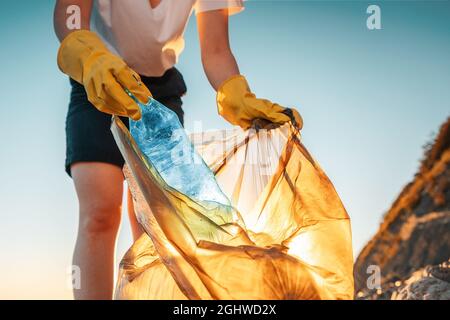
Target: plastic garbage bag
286,234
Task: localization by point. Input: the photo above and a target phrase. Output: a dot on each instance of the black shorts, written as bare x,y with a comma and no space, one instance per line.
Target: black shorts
88,135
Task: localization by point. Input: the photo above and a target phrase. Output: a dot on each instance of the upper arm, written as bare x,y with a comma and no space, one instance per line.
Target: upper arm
213,31
63,12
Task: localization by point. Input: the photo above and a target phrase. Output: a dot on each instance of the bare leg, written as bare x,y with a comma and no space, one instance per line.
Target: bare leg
99,188
136,229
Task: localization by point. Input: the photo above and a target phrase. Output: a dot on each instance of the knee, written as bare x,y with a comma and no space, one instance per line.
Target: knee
100,217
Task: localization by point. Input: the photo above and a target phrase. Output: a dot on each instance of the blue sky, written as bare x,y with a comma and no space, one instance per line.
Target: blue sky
370,100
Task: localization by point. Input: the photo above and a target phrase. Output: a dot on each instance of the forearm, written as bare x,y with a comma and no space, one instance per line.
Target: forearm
219,66
218,60
68,11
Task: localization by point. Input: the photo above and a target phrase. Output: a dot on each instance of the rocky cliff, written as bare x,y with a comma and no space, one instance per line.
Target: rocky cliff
412,244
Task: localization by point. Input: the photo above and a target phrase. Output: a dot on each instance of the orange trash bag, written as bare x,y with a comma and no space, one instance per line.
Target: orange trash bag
289,236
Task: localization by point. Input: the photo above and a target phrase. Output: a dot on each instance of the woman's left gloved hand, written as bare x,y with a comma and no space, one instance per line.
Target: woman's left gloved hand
237,104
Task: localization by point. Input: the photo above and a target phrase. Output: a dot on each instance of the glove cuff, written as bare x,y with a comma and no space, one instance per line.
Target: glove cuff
236,81
75,49
235,85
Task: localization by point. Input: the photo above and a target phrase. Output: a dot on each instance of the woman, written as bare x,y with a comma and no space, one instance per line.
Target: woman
134,45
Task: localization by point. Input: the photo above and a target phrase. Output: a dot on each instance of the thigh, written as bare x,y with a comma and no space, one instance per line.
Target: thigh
99,187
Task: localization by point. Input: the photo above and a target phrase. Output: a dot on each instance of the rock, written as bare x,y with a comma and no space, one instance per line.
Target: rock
414,237
431,283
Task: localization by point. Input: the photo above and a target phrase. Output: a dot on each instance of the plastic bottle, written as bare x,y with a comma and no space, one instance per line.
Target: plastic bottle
162,139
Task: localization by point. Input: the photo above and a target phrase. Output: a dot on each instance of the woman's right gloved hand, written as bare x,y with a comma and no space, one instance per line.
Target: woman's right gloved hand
84,57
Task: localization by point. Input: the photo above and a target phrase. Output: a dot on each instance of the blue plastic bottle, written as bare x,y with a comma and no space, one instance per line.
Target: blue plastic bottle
162,139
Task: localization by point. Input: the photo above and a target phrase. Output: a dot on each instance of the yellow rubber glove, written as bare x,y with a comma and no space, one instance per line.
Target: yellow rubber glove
237,104
84,57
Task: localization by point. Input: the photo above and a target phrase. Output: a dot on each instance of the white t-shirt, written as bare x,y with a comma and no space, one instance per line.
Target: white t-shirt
149,39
